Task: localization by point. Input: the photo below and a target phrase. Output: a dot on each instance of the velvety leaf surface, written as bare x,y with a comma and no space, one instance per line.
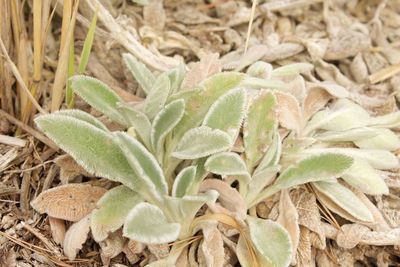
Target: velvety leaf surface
201,142
147,223
345,199
140,72
183,181
315,168
227,113
258,127
94,149
112,210
226,163
98,95
165,121
271,240
84,116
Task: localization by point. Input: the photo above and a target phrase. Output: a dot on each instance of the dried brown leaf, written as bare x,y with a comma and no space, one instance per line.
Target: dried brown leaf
69,169
76,235
69,202
57,227
289,219
315,100
213,246
207,66
288,111
350,235
154,15
228,196
111,247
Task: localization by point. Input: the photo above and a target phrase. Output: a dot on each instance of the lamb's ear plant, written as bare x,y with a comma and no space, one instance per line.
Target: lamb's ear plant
176,138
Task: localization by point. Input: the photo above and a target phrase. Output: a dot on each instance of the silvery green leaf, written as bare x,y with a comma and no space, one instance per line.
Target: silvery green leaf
165,121
271,241
347,135
94,149
81,115
227,163
137,120
384,139
147,223
199,101
257,83
98,95
183,181
315,168
292,69
342,201
226,114
378,159
260,69
157,96
260,180
343,115
259,127
362,176
112,210
244,256
273,155
176,76
140,72
391,120
144,164
201,142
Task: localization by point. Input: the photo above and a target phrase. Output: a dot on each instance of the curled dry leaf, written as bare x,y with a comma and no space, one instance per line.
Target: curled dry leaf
131,250
207,66
111,247
57,227
76,236
315,100
289,219
228,196
69,169
350,235
69,202
304,253
159,250
213,246
288,111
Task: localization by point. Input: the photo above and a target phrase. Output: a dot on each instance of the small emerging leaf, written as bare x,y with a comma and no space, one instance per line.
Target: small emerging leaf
201,142
147,223
227,113
226,163
98,95
140,72
158,95
315,168
165,121
271,240
112,210
183,181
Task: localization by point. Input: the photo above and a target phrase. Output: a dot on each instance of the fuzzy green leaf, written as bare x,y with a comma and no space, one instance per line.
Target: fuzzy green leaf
315,168
384,139
347,136
227,163
158,95
183,181
140,72
273,155
199,101
113,208
83,116
99,96
223,116
362,176
378,159
94,149
343,115
138,121
147,223
165,121
259,127
271,241
176,76
87,45
344,198
144,164
201,142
